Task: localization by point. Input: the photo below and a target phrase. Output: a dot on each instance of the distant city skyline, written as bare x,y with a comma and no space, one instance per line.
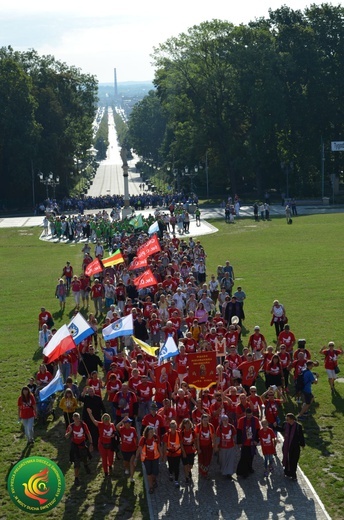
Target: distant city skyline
98,38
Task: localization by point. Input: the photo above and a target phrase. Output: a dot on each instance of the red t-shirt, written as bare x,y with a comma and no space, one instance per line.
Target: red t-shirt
205,434
106,431
80,433
188,441
331,358
266,438
128,439
150,445
27,408
226,435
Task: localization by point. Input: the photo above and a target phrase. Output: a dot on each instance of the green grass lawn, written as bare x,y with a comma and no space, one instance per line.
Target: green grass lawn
301,265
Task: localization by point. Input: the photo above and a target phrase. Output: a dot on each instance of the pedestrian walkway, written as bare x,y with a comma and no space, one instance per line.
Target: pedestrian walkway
257,497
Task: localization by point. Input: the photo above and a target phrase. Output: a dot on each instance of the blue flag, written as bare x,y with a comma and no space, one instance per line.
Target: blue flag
55,385
154,228
121,327
169,349
79,328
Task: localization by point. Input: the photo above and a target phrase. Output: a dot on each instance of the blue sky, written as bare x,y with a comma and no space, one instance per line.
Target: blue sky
96,37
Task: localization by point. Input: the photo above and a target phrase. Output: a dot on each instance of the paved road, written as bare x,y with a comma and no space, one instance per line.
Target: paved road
109,177
256,498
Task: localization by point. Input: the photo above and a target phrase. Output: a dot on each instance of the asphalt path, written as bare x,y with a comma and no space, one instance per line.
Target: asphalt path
109,177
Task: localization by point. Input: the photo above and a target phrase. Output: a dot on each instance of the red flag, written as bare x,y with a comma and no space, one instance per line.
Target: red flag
93,268
145,280
149,248
249,371
202,369
137,263
60,342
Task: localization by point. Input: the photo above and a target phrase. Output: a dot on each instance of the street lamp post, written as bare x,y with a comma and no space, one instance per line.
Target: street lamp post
192,174
49,181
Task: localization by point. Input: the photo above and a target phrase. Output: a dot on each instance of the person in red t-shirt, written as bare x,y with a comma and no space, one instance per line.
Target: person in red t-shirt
27,412
43,377
96,383
205,440
97,294
106,432
154,326
188,447
145,395
172,451
150,453
257,343
225,445
268,441
78,432
287,338
271,406
67,272
285,362
113,386
45,317
331,362
128,445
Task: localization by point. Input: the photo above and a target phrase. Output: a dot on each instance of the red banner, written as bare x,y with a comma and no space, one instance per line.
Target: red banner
137,263
161,375
202,369
149,248
93,268
147,279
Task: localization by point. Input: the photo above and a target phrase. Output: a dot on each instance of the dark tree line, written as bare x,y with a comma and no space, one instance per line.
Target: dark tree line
256,100
46,114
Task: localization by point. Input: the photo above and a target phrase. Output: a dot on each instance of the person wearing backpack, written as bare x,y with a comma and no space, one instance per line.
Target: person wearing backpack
79,452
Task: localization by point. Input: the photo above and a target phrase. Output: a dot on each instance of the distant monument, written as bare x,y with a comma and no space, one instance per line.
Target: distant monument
126,209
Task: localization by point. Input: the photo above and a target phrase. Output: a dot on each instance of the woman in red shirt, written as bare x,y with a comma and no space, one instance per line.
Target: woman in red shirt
128,445
27,412
188,441
225,445
172,451
149,451
205,439
106,432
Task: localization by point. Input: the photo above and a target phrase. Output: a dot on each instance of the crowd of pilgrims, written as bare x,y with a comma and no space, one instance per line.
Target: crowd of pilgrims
173,421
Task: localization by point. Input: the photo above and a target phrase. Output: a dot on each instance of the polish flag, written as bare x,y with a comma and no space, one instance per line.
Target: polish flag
145,280
60,343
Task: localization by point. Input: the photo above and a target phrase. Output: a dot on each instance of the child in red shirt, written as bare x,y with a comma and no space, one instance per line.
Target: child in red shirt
268,442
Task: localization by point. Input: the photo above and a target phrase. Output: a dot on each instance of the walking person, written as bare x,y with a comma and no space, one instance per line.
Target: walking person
150,453
79,451
225,446
293,441
27,412
107,432
247,440
268,441
331,362
205,441
172,451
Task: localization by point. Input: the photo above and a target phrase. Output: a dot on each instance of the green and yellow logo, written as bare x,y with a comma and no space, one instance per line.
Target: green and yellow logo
36,485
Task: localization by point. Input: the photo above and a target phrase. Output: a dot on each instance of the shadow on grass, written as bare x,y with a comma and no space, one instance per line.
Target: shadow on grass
24,454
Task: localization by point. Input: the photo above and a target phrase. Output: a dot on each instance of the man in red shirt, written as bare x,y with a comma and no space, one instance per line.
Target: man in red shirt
257,343
78,432
67,272
145,394
287,338
153,419
45,317
97,293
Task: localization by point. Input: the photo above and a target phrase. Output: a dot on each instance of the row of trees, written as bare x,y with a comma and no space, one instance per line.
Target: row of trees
256,100
46,114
